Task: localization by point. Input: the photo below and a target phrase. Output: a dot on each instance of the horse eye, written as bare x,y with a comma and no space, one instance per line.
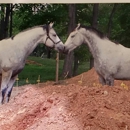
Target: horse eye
72,36
54,35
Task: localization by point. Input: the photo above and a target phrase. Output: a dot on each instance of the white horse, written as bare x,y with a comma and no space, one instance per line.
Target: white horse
15,50
111,60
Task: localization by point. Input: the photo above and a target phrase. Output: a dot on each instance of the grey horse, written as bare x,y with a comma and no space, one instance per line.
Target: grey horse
15,50
111,60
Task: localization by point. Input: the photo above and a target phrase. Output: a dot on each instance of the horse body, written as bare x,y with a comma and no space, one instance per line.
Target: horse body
110,59
14,51
111,63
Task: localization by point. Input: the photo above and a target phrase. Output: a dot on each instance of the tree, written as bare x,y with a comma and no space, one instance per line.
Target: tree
121,27
95,16
110,20
6,20
11,20
68,62
94,24
2,22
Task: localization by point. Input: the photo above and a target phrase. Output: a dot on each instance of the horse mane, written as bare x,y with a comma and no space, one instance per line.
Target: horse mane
97,32
45,27
92,29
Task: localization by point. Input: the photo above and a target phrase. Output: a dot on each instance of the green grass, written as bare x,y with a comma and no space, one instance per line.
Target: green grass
83,67
46,71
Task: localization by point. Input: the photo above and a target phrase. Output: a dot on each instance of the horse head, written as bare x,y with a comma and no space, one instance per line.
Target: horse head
74,40
51,39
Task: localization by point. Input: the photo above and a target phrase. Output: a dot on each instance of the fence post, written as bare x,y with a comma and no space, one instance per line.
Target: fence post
57,66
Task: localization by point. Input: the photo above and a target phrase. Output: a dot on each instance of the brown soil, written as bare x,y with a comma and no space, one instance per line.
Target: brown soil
79,103
33,62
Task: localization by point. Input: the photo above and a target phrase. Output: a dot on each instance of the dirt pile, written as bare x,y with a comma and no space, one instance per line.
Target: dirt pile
90,79
79,105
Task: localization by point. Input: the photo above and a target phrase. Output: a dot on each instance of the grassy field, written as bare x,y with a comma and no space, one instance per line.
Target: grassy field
46,70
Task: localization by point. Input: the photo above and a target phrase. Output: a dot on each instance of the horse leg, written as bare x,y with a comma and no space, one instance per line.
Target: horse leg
101,79
6,75
109,80
9,89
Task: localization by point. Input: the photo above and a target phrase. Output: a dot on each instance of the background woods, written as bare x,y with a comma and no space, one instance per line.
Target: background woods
5,20
111,19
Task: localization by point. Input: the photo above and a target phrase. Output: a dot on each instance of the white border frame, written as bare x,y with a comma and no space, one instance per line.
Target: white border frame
64,1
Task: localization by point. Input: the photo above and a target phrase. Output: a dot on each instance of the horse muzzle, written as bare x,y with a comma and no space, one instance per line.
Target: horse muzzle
65,51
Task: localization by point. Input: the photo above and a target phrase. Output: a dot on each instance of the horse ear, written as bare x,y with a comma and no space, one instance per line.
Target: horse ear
51,24
78,26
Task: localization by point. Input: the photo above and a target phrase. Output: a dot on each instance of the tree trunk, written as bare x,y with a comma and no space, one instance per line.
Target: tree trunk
6,20
110,20
95,15
11,15
94,24
68,62
48,53
2,23
68,65
76,65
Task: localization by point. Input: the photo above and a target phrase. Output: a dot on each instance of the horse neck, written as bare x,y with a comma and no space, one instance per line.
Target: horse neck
27,41
95,44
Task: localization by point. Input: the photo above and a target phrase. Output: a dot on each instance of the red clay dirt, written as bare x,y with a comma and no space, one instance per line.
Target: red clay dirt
79,103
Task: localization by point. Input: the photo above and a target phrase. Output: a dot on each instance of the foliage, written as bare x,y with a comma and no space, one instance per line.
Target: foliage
124,24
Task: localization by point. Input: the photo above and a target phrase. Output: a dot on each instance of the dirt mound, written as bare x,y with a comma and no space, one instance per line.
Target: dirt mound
79,105
33,62
86,78
90,78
